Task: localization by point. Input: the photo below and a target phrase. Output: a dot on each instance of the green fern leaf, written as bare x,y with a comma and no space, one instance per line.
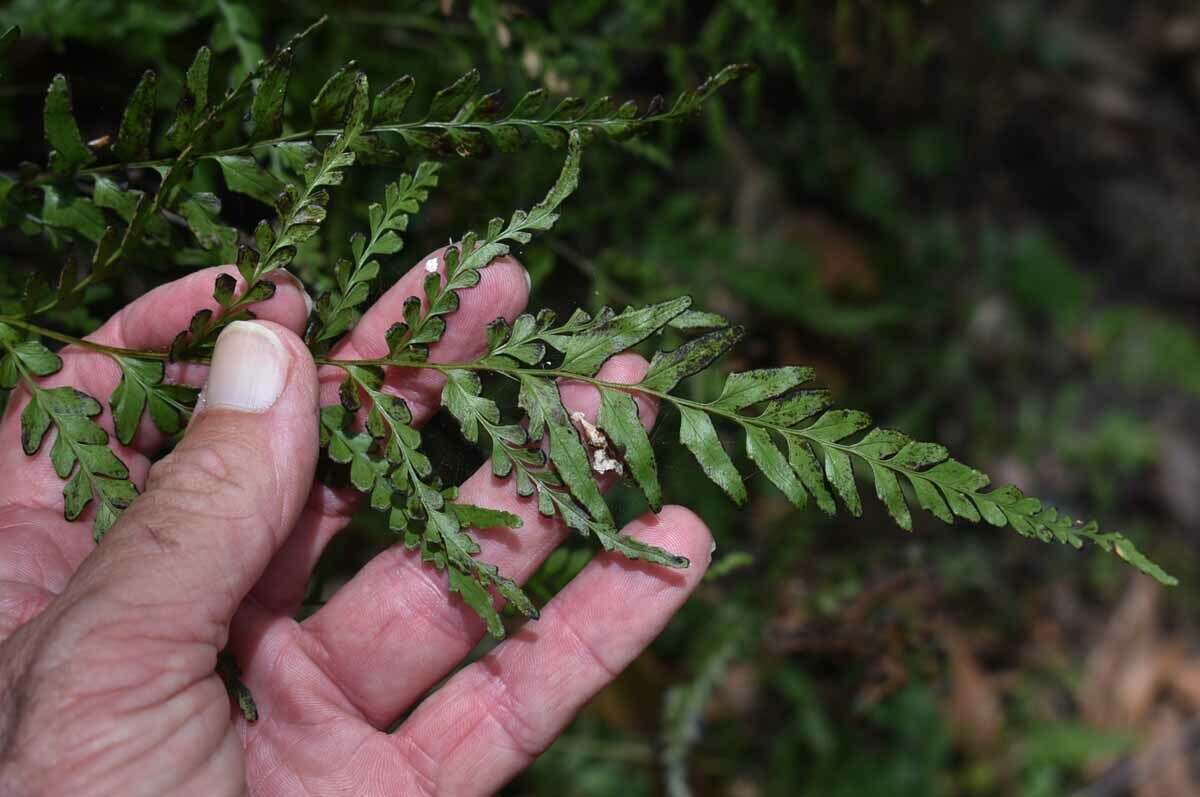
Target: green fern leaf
770,460
462,397
193,102
24,357
539,397
554,479
64,210
401,481
68,150
339,311
808,469
587,342
80,454
618,418
480,517
668,369
266,109
521,342
329,106
244,176
142,388
753,387
133,137
697,433
464,261
202,212
389,104
450,101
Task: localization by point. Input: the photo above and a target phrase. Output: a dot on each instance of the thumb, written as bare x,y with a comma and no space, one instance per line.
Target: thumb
218,507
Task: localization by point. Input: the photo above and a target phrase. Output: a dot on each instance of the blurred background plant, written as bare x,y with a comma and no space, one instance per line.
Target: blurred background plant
985,214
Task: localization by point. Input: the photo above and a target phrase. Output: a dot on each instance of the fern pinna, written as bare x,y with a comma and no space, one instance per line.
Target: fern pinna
86,200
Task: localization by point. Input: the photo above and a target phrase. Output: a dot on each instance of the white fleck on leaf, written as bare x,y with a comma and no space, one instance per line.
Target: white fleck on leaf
595,437
603,463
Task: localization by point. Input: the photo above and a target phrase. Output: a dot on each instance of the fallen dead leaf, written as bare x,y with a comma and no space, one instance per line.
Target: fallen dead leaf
1162,767
974,702
1121,674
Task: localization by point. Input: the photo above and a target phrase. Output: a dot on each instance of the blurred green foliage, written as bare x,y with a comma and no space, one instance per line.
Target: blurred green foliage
922,292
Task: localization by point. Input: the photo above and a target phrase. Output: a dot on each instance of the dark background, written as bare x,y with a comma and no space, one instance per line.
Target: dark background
980,221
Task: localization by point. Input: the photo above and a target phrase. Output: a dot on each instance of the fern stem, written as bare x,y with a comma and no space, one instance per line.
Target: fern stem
517,373
742,420
1029,520
71,340
310,136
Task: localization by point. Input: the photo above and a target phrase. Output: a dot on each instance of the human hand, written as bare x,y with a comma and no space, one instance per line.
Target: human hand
107,653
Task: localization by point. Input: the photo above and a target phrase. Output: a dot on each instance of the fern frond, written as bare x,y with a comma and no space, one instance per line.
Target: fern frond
143,388
387,464
942,486
385,460
338,311
457,120
80,453
537,473
770,407
70,156
463,262
461,122
301,211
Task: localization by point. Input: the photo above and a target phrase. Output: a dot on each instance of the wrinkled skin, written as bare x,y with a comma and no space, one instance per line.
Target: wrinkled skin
107,652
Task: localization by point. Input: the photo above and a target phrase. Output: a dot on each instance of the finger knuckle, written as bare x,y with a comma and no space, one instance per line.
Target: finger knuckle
210,480
513,719
210,466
